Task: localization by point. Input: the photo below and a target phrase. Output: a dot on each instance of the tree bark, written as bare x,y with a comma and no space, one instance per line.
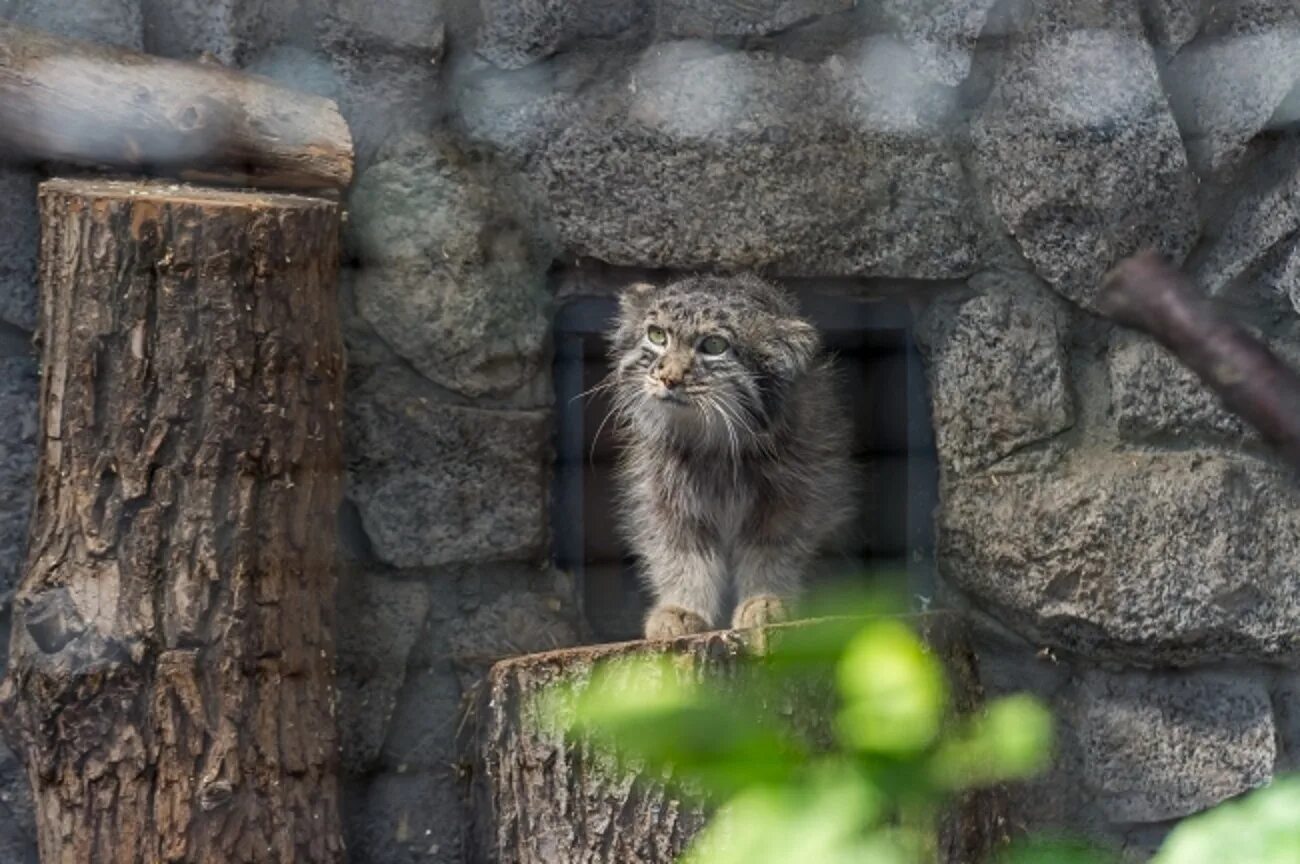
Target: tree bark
170,680
540,800
64,100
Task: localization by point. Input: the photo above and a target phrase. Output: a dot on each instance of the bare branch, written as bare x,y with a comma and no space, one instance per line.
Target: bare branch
1146,293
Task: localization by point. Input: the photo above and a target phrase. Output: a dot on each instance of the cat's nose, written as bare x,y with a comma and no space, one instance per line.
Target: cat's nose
671,380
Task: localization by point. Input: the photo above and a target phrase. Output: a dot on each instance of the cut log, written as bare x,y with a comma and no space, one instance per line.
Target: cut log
170,677
62,100
540,800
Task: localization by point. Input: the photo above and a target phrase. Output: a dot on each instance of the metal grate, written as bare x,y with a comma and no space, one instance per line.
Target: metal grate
884,388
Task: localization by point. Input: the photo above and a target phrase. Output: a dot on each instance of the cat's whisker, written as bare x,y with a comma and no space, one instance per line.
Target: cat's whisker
606,383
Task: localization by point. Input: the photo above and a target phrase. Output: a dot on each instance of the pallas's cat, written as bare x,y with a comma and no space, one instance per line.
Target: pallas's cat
735,464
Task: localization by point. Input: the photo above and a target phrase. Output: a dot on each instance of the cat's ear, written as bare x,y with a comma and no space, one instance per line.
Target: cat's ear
799,343
635,299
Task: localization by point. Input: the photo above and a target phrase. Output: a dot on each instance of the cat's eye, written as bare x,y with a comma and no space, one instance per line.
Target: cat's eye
714,345
656,335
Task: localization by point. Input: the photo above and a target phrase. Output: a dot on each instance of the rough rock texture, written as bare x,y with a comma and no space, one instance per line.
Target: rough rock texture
115,22
400,24
1152,394
17,837
1280,271
518,32
1226,86
387,86
19,231
438,483
378,625
1260,214
1082,157
451,276
517,623
515,33
230,31
1174,23
695,157
18,429
942,33
1175,557
996,370
712,18
1159,747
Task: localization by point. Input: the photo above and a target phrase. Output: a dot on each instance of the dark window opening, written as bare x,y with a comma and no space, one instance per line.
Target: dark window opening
883,389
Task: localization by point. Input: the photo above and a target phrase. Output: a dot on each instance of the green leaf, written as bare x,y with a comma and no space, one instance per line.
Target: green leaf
1009,740
1053,851
1260,828
651,711
830,815
893,690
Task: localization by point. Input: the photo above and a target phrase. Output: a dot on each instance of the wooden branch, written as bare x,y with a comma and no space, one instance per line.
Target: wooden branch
63,100
1148,294
170,671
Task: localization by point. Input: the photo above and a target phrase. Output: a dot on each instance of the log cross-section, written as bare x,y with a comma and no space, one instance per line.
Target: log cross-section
63,100
170,681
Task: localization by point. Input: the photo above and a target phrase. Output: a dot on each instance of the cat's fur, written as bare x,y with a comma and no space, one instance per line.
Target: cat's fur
735,467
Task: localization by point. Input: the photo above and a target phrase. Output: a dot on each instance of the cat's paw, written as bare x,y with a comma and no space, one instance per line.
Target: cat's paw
669,622
759,611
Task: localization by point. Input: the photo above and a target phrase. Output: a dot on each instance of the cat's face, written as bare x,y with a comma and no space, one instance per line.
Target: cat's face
708,357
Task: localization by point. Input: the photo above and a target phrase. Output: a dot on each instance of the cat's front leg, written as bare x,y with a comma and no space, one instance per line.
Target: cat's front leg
768,581
687,584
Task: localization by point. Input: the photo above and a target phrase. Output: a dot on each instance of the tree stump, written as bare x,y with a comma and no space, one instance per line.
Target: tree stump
170,681
541,800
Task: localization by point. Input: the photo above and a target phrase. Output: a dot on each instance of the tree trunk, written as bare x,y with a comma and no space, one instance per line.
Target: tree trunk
170,682
64,100
540,800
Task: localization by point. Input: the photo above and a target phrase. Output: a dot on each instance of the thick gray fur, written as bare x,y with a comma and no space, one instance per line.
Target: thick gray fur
735,467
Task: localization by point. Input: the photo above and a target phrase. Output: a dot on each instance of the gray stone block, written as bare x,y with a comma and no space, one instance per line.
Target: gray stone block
1082,156
393,24
17,816
705,19
1280,271
1159,746
698,157
1154,395
231,31
1259,215
514,624
942,32
1174,23
516,33
112,22
383,95
451,276
18,451
409,818
378,622
996,370
1175,558
19,240
1226,86
437,483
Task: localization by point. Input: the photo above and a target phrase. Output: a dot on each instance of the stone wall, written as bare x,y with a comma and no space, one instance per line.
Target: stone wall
1127,549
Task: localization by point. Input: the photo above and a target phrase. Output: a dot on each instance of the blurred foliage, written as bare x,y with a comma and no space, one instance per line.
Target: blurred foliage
897,754
1262,827
869,789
